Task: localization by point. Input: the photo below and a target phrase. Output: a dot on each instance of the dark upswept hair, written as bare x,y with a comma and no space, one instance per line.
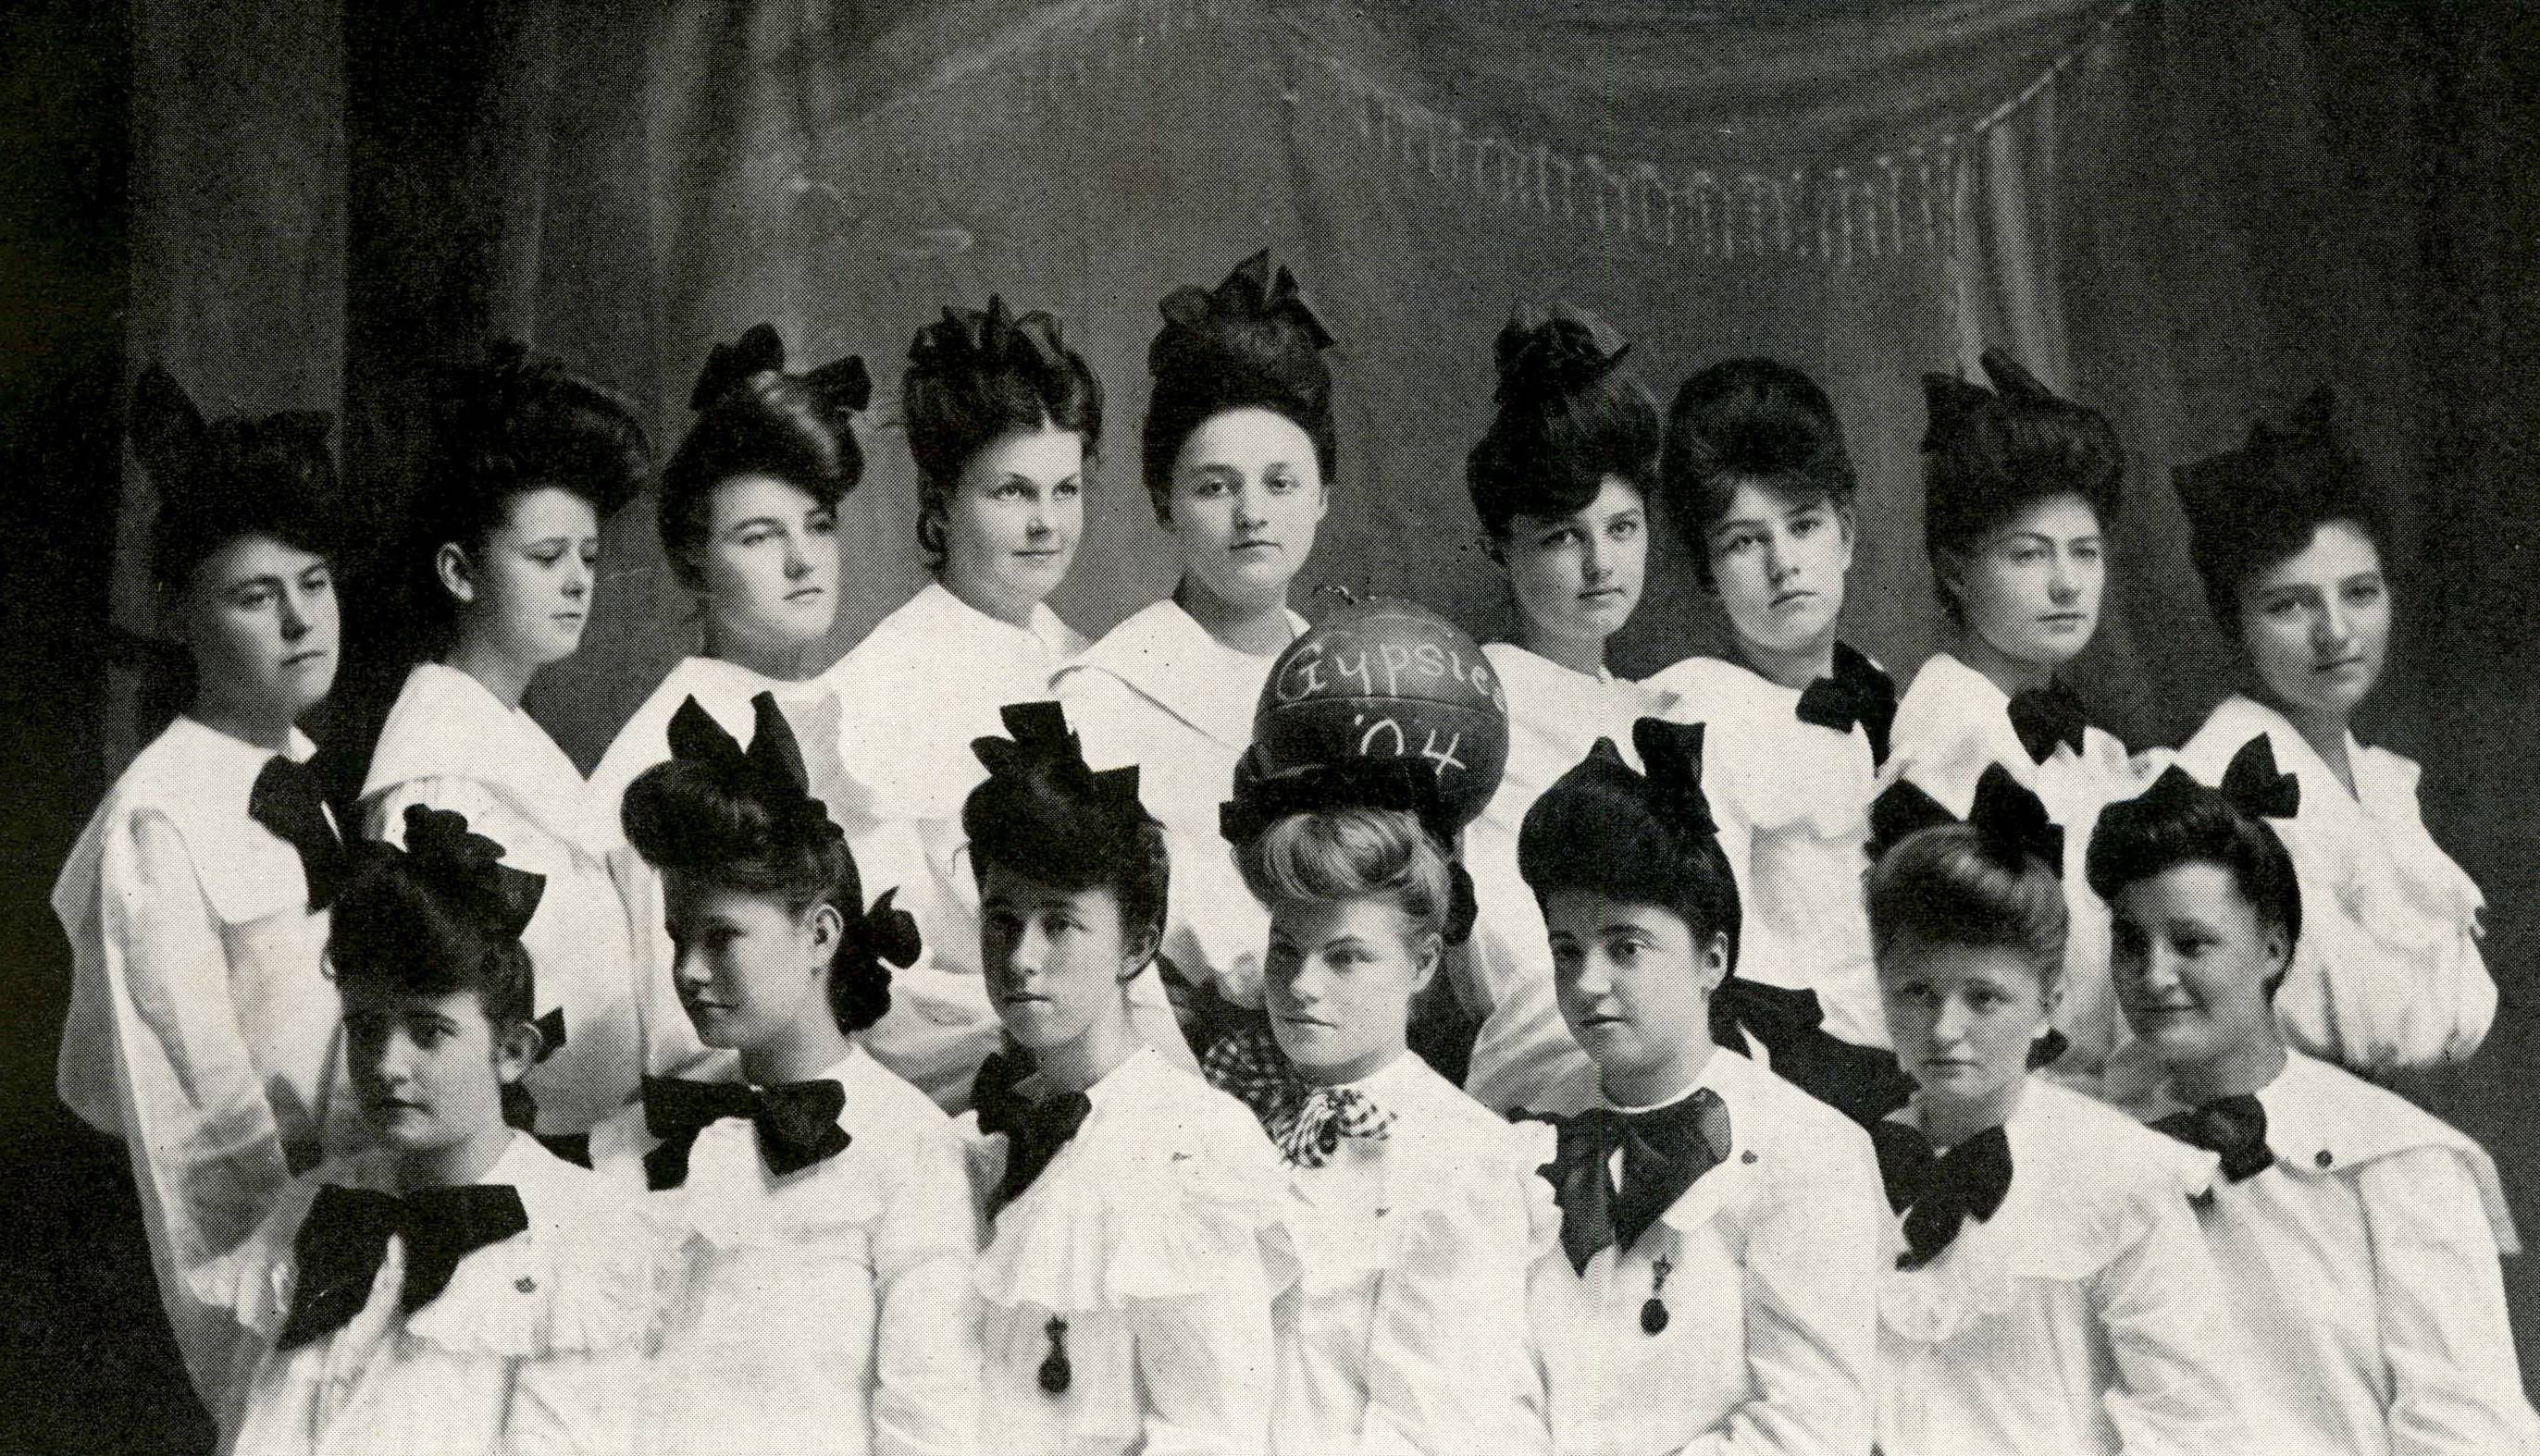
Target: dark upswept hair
756,419
239,476
1568,417
2252,508
1043,814
1989,454
1344,853
1253,342
1957,885
1645,839
743,821
973,376
1750,422
2179,821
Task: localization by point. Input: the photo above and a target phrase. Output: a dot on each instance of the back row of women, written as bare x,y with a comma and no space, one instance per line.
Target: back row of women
1795,1161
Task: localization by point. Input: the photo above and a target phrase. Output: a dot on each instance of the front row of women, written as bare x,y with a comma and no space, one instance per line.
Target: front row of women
1333,1248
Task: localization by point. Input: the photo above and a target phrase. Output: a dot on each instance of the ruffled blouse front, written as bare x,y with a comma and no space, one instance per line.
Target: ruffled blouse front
534,1346
1154,1238
2389,972
2079,1318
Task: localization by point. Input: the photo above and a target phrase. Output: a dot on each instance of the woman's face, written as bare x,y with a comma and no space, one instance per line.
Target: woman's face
2191,963
1054,958
527,588
1339,980
1012,524
260,619
1963,1017
1247,495
748,969
1778,564
2031,589
1576,577
1634,983
2316,625
770,564
429,1069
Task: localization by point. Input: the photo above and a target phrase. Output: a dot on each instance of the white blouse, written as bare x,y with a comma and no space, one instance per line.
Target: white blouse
827,1312
1158,692
2079,1318
1555,716
1406,1330
205,1029
1767,1346
533,1346
2389,972
723,690
1155,1234
2362,1266
1950,724
1803,791
449,743
914,694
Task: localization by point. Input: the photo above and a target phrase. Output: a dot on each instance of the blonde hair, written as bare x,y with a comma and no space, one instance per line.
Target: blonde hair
1351,854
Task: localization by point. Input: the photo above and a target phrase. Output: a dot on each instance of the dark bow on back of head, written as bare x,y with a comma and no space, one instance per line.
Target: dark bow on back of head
466,870
1671,757
769,771
2252,783
1255,290
1402,784
839,387
978,340
1042,737
1564,349
2011,818
178,446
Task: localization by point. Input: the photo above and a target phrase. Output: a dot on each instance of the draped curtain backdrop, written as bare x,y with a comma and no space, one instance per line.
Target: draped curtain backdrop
2183,214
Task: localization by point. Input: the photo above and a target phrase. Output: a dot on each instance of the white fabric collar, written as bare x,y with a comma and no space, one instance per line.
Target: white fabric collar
1168,656
448,725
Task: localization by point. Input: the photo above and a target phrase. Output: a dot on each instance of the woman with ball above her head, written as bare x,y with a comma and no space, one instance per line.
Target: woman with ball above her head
528,458
2289,540
2020,487
1238,449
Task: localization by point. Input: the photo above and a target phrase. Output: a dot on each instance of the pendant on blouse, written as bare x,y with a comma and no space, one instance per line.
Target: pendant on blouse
1054,1372
1654,1311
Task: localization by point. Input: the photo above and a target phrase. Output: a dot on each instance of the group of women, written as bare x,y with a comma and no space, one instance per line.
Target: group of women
1000,1070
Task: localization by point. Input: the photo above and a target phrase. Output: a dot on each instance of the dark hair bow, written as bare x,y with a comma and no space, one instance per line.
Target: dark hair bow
468,871
1255,290
2013,820
178,448
974,340
2309,425
1950,403
1042,736
886,932
769,772
2009,380
1672,756
2251,785
840,385
1564,349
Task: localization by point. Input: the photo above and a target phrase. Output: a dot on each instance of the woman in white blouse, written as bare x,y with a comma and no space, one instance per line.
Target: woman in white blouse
527,461
2044,1285
202,1029
1004,422
2020,486
2289,540
1560,481
748,518
1239,452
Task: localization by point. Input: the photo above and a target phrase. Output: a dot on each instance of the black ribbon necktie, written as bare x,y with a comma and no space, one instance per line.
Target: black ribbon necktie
797,1122
1857,693
2044,717
2234,1127
1664,1150
1939,1192
1035,1131
344,1238
290,799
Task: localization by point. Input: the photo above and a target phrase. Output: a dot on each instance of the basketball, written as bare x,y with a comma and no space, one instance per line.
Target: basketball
1386,679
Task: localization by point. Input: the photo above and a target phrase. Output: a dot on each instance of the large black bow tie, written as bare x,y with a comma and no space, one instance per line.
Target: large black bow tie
1035,1131
2044,717
1856,694
345,1236
2234,1127
1664,1150
290,799
1939,1192
797,1122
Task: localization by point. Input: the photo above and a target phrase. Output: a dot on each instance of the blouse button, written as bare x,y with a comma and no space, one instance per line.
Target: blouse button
1747,1157
526,1284
2325,1158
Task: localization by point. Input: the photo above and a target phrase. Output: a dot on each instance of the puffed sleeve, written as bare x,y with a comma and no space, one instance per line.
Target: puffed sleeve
1811,1326
925,1348
2173,1342
2456,1386
1206,1365
205,1150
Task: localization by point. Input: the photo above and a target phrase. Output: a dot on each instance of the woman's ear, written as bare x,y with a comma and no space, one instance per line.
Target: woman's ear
2051,994
517,1048
2278,947
1426,952
449,563
1847,525
1714,966
827,927
1138,951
